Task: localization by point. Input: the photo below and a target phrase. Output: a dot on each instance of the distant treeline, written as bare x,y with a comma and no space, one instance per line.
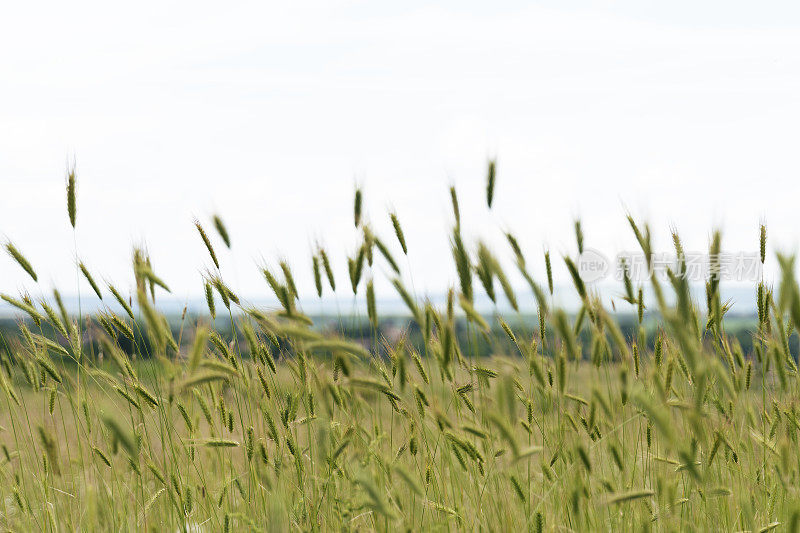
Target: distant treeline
389,332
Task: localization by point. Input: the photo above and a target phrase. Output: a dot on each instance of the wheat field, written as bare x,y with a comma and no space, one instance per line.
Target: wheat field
131,420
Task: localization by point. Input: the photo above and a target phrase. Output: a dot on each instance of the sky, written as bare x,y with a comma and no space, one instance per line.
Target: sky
682,113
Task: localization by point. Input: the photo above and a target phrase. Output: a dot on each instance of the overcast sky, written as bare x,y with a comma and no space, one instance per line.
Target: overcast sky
269,113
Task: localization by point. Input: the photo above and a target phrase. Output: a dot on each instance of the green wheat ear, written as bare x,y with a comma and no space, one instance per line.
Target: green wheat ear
490,179
579,235
456,211
326,265
222,230
122,436
210,299
357,207
512,241
315,260
463,265
120,300
372,310
21,261
71,201
90,279
207,242
549,269
398,231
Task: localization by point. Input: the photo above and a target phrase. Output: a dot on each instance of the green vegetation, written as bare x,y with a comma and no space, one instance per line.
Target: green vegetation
661,421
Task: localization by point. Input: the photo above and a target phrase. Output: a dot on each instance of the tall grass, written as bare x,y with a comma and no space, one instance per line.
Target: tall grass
130,422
